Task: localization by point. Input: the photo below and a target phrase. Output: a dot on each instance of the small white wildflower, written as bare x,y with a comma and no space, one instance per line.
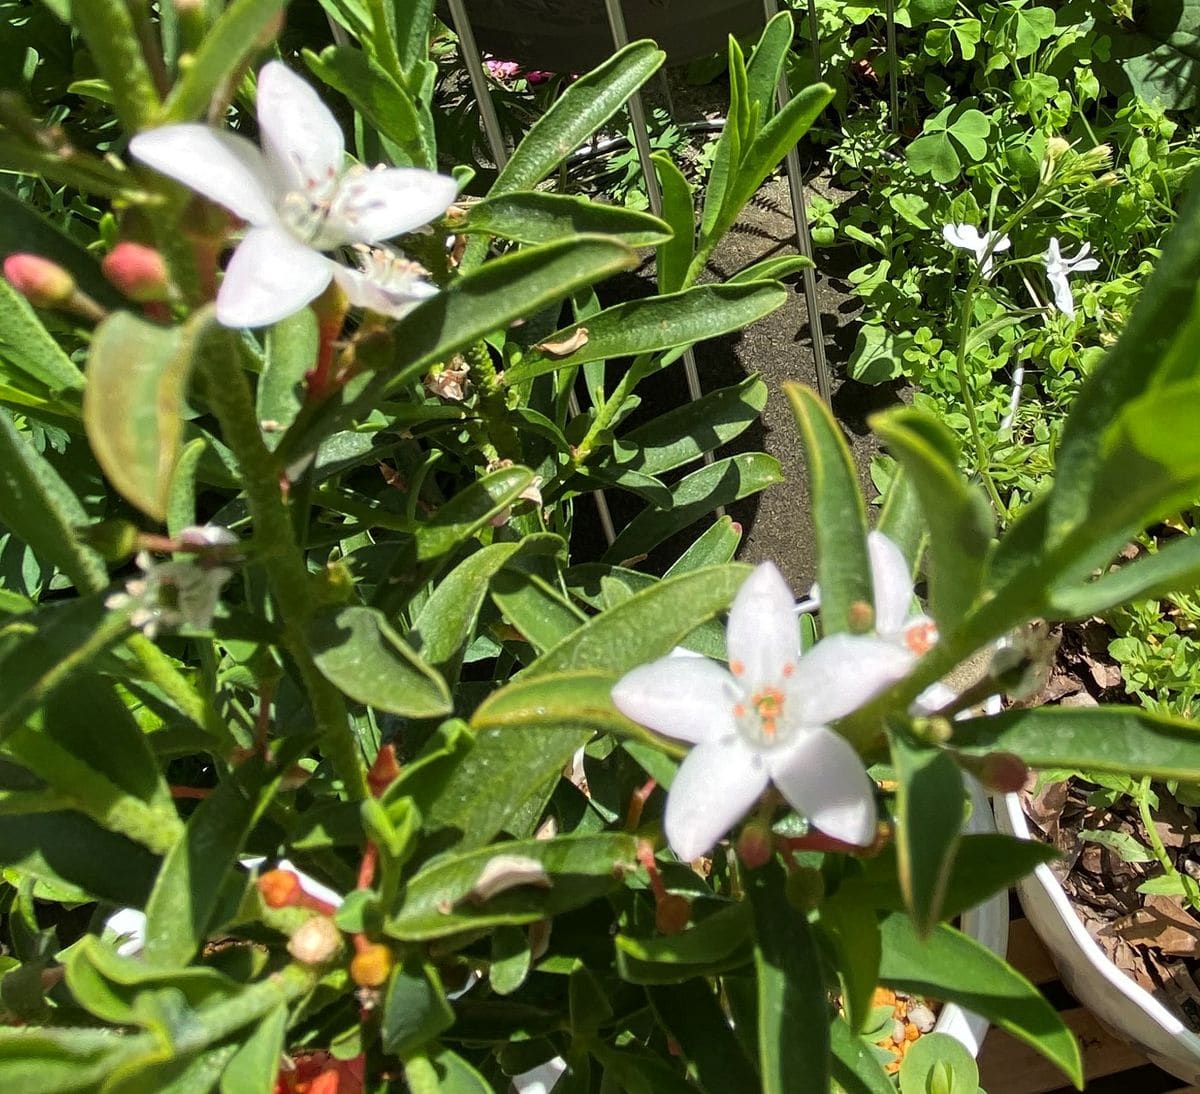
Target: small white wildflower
1058,266
170,595
385,282
983,247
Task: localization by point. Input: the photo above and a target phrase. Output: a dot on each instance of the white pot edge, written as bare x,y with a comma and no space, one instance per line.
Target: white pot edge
1116,1000
987,923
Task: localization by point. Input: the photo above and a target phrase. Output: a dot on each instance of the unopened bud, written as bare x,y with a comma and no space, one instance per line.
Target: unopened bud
1003,772
932,731
805,888
279,888
139,272
860,617
316,941
755,845
43,283
371,966
672,914
1097,158
384,771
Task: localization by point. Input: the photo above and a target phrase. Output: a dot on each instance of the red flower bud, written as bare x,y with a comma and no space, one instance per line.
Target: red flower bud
755,845
42,282
139,272
384,771
280,888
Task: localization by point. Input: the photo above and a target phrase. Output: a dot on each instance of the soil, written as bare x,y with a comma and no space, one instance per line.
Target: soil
1153,939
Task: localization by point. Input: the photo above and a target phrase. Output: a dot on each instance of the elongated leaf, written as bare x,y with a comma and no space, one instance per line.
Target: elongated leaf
793,1015
714,547
771,269
690,1013
65,638
658,323
959,519
291,352
720,483
1132,365
381,101
26,344
575,700
532,605
41,510
58,1060
855,1068
1174,566
256,1063
585,106
683,435
415,1009
929,816
470,510
719,941
727,156
355,649
1126,740
839,514
647,625
186,894
901,519
679,211
536,217
853,926
950,966
107,26
133,406
766,62
234,37
442,899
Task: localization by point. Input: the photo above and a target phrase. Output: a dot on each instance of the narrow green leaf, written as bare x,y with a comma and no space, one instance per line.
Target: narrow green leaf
956,969
570,700
647,625
765,66
228,44
683,435
930,797
839,514
356,650
42,510
696,495
291,352
536,217
107,27
133,406
901,519
378,98
255,1065
852,925
442,898
855,1068
469,510
793,1012
585,106
715,546
679,211
181,498
727,156
719,941
690,1013
656,323
1175,566
771,269
415,1009
532,605
1124,740
27,345
959,518
185,896
58,1060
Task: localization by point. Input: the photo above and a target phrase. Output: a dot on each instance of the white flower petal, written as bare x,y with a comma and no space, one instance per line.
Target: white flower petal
1001,244
892,585
840,673
823,777
370,206
301,137
395,299
129,925
715,786
962,235
224,167
1062,293
762,637
270,276
689,698
1084,265
541,1079
1053,256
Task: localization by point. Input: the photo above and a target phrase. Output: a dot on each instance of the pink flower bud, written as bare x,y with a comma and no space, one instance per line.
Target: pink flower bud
42,282
138,271
755,845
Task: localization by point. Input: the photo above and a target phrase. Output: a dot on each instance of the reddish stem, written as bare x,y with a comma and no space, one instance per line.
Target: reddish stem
197,792
366,869
637,803
645,855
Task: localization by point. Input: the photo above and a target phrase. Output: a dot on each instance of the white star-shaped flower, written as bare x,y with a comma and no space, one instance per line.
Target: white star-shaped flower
764,720
983,247
385,282
297,195
1058,266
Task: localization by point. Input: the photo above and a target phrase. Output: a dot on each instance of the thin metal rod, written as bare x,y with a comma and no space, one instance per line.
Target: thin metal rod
641,138
893,66
814,34
479,81
795,177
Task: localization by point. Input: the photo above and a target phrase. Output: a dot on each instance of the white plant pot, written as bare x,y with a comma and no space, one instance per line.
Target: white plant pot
1120,1004
988,924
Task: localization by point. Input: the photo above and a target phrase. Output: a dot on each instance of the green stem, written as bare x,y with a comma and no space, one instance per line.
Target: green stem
161,671
229,396
108,28
492,401
608,412
1156,844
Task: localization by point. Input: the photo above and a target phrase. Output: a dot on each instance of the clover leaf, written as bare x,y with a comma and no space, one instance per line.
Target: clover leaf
954,130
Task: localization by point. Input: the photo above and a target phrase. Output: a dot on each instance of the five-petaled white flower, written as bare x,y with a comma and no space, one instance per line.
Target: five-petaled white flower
892,589
385,282
764,719
984,247
1057,268
297,195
